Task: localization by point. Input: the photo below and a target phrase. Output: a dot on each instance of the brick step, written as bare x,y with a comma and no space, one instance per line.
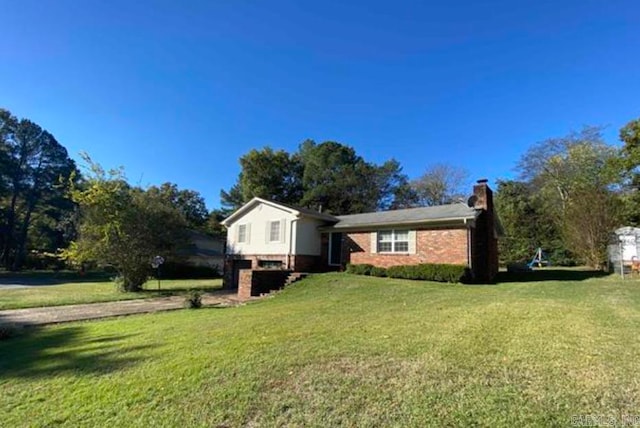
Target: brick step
294,277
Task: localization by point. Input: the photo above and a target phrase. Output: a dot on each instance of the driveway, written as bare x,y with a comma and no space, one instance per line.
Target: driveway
58,314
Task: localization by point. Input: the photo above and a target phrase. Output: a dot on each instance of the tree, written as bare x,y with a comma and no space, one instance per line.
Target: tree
338,180
269,174
123,227
575,178
395,190
592,214
189,202
526,225
328,175
441,184
629,163
35,175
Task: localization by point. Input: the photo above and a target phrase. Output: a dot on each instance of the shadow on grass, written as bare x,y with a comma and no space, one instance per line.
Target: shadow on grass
173,291
549,275
44,352
52,278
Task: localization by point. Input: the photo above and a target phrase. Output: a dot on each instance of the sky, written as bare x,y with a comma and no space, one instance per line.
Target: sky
178,91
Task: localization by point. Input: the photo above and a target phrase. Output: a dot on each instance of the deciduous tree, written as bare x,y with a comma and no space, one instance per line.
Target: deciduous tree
123,227
574,176
441,184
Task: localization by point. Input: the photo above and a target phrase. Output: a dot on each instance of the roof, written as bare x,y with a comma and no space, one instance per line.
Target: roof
297,211
436,214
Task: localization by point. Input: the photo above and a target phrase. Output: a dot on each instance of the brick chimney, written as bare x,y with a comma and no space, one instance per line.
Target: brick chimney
484,242
482,195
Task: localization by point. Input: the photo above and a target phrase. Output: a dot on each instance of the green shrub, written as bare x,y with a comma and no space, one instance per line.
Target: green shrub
378,271
193,300
423,272
364,269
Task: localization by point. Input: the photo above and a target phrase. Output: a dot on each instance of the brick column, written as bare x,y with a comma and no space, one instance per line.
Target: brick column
245,283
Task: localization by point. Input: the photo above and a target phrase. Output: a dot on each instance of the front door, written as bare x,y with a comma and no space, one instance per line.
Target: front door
335,249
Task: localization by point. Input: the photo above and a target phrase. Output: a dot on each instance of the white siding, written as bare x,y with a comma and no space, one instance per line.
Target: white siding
257,239
307,237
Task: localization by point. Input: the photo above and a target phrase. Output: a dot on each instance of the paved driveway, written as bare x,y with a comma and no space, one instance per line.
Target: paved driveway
57,314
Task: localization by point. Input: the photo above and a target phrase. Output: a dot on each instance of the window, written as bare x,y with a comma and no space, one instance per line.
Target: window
242,233
274,231
270,264
393,241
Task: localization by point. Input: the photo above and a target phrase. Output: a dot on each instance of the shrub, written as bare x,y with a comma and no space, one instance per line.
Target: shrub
364,269
378,271
193,300
424,272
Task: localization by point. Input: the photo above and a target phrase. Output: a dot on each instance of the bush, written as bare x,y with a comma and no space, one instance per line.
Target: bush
424,272
193,300
364,269
378,271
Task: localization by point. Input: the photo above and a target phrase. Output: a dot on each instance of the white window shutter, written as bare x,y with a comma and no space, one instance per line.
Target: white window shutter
412,241
374,242
283,229
247,233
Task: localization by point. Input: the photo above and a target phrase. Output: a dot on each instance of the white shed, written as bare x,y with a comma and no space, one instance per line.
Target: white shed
624,247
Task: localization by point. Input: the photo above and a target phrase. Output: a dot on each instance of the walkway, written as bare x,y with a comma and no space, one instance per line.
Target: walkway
57,314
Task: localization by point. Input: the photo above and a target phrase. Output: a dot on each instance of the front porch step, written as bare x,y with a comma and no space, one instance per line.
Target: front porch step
294,277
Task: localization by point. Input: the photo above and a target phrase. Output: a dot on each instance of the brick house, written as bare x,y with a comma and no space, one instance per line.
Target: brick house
271,239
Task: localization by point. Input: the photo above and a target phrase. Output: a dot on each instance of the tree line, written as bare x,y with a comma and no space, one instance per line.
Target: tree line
570,193
42,209
333,178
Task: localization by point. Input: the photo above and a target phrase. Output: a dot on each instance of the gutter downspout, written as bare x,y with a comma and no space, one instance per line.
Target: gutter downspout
290,243
469,253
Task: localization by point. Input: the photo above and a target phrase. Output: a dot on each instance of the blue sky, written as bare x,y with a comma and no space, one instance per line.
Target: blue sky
178,91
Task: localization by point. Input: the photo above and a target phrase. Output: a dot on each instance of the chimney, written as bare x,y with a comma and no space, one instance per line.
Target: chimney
484,243
482,195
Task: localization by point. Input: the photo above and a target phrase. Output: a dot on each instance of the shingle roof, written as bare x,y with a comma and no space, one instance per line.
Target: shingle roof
309,212
292,208
439,213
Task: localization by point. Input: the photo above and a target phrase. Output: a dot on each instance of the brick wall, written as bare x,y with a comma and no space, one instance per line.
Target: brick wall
299,263
432,246
255,282
307,264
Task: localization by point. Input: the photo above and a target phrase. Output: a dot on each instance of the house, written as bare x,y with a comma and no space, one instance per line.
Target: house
267,238
203,250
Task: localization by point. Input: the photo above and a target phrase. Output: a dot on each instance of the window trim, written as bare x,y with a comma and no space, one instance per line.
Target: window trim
242,228
394,241
279,237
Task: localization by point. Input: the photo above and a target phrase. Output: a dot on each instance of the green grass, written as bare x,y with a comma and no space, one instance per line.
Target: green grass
67,288
342,350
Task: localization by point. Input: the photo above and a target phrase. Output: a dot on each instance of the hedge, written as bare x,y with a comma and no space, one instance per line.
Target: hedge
423,272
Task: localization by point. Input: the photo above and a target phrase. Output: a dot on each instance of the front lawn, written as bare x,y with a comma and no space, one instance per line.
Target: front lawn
342,350
49,289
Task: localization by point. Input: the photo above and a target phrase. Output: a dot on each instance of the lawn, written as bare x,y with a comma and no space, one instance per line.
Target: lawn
65,288
342,350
